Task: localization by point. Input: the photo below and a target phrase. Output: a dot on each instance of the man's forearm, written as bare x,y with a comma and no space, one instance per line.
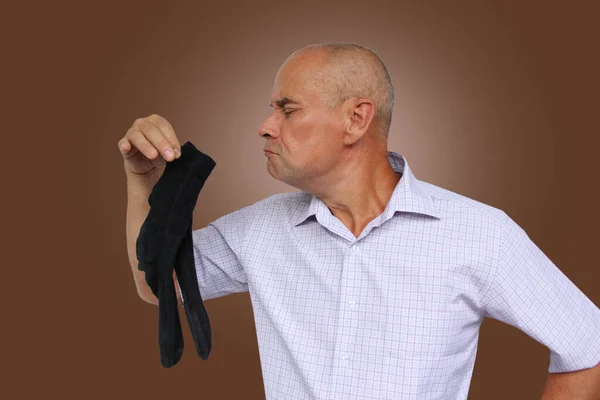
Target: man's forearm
575,385
138,190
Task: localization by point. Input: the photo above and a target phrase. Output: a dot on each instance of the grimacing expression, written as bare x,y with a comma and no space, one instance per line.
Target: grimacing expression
305,136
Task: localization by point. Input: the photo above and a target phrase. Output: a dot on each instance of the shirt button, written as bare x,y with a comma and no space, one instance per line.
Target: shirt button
355,247
351,302
345,356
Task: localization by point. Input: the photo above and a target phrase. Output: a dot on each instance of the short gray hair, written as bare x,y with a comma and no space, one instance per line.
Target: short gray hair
362,73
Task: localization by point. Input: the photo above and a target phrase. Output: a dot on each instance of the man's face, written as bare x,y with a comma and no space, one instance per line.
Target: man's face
304,135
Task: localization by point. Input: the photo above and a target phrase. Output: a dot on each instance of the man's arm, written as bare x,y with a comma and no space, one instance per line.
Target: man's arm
583,384
138,191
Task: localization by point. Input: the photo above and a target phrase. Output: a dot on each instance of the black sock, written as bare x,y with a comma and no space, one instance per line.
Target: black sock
165,244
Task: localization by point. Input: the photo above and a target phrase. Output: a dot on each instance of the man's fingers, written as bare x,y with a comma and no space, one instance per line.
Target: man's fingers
124,145
156,138
140,141
168,132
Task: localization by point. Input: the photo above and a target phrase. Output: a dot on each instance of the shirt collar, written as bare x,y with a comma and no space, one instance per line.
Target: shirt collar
408,195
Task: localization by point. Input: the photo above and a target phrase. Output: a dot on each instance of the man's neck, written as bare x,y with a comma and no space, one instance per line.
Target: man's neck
362,196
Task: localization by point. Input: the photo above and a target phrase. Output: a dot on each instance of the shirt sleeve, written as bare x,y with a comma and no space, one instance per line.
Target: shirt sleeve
217,259
531,294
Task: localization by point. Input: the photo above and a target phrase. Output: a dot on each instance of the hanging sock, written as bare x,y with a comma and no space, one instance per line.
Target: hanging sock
165,244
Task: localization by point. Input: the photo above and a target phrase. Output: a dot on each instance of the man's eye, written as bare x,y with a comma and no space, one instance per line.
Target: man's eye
286,113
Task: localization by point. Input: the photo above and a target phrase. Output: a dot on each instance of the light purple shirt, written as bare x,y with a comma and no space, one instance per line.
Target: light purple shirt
394,313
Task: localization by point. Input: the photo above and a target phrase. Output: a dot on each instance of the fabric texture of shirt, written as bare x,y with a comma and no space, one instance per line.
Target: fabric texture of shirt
396,312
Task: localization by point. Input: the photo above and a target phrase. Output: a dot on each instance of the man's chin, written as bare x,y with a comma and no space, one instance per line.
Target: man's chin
273,173
277,177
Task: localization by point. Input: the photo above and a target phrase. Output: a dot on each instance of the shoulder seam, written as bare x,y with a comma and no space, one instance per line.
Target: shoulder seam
496,264
247,233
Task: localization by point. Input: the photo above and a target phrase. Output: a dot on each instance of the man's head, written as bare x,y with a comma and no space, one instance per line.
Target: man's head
329,99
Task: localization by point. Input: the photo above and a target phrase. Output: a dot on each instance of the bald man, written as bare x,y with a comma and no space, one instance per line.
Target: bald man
369,283
328,134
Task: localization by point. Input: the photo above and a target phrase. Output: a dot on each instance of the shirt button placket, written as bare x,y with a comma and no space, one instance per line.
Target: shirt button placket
351,302
355,248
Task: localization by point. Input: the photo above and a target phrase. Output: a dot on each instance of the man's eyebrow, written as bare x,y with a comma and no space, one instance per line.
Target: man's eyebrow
283,101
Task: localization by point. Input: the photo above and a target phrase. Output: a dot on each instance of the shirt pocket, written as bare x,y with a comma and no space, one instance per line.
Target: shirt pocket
422,320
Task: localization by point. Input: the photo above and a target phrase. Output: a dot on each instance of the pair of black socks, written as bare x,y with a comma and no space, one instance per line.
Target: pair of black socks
165,244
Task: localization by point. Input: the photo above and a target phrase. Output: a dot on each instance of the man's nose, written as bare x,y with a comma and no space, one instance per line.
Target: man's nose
268,127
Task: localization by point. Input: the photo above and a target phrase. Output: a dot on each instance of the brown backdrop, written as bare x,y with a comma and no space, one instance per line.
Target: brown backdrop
497,102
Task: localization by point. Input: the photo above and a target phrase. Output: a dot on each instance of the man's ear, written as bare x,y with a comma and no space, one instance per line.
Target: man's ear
359,115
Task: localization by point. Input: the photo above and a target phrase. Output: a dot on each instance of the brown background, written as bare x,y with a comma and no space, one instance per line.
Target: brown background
497,101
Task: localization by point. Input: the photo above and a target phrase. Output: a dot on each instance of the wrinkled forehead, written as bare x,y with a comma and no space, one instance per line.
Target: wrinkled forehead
304,77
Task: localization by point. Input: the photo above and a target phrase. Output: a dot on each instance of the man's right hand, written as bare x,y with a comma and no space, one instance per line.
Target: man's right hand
144,155
146,146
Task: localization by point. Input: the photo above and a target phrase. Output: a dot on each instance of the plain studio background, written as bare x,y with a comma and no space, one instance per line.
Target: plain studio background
498,102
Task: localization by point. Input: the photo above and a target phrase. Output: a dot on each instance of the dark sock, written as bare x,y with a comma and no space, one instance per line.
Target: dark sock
165,244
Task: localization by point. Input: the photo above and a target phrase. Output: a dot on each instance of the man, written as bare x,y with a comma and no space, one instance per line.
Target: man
369,284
